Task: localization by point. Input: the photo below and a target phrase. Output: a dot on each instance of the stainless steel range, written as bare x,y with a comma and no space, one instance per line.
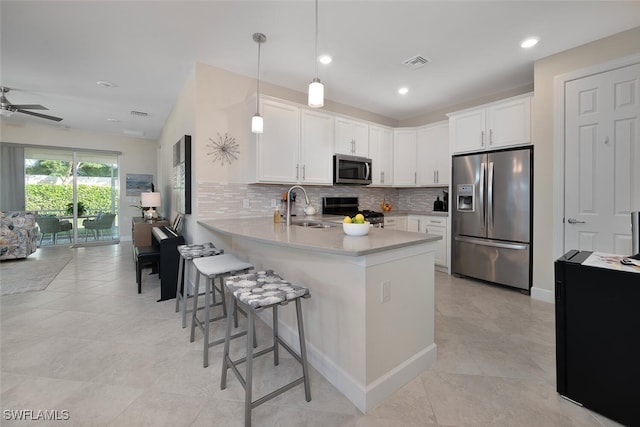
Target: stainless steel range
349,206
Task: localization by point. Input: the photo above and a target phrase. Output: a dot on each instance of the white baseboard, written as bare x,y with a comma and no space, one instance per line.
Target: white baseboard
543,295
365,398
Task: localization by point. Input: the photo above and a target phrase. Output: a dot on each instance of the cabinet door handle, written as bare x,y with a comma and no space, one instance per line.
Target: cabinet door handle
415,177
297,172
382,177
304,172
490,136
438,176
482,137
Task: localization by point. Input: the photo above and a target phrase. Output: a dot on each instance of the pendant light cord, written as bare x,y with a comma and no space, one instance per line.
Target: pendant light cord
316,57
258,82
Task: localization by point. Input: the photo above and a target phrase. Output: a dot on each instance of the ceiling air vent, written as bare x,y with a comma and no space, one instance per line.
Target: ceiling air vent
139,113
416,62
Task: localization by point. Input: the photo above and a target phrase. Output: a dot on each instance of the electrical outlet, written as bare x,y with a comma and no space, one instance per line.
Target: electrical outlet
386,291
273,203
245,204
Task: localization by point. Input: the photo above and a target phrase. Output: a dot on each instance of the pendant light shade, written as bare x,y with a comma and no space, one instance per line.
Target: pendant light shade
316,93
316,88
257,125
256,120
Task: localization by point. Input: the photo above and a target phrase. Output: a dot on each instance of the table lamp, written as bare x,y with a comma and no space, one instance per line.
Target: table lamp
149,202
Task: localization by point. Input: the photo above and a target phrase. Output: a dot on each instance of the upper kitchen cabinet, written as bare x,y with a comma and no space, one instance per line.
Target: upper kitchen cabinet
351,137
278,147
404,157
295,147
381,153
500,124
432,155
316,148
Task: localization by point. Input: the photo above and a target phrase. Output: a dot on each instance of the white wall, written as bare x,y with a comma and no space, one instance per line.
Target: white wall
545,70
138,155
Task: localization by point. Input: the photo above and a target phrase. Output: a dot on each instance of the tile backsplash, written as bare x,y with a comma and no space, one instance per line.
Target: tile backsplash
224,200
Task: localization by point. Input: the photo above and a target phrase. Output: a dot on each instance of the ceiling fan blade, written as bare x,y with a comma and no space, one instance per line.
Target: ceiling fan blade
29,107
44,116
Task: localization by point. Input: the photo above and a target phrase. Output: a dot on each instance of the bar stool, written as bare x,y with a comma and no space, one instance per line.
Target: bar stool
219,266
187,254
255,292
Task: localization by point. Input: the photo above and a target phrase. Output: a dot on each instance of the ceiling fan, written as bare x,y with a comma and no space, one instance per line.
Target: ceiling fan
7,108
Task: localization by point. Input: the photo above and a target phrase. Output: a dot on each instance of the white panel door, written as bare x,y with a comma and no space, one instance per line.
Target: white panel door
467,131
316,148
426,156
509,123
404,157
602,160
381,154
278,146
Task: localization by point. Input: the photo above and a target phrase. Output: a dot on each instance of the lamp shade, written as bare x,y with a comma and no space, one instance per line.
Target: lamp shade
257,123
316,93
150,200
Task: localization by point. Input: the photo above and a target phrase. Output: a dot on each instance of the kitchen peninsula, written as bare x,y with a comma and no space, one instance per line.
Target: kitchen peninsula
369,323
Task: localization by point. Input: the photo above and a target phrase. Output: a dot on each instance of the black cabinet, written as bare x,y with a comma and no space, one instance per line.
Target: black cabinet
598,336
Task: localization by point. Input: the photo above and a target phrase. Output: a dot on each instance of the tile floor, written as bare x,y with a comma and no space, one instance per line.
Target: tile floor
90,345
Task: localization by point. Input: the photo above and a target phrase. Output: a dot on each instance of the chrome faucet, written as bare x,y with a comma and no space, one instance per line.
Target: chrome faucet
306,199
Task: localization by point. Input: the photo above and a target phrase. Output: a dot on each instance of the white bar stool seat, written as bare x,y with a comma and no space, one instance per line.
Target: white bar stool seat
219,266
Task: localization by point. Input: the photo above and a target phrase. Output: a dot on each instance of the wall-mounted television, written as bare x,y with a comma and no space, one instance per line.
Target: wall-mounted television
182,175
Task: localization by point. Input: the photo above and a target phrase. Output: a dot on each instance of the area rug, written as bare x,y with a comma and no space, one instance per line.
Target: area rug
29,274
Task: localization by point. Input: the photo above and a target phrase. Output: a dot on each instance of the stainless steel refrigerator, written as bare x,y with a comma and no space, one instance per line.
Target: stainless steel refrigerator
492,213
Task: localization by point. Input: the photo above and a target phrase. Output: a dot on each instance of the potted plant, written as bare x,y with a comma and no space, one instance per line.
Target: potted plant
82,209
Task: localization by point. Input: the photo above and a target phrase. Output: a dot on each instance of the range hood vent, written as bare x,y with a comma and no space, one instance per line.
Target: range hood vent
416,62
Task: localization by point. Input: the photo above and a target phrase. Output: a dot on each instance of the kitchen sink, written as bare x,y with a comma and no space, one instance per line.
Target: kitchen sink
312,224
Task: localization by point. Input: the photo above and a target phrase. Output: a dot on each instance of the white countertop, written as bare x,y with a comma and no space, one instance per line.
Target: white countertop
328,240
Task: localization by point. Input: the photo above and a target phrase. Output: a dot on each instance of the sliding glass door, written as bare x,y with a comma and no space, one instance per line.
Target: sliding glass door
75,193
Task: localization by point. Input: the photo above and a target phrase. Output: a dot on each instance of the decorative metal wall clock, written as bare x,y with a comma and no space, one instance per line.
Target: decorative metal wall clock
223,149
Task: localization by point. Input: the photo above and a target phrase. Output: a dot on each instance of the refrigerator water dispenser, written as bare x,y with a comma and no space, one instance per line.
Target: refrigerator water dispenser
466,202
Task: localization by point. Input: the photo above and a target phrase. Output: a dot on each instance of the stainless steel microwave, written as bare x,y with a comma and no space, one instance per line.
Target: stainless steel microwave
351,170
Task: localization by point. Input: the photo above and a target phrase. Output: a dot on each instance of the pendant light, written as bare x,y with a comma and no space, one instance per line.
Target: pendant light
316,88
256,120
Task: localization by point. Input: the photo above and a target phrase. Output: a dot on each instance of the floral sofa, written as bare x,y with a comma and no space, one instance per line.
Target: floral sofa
18,234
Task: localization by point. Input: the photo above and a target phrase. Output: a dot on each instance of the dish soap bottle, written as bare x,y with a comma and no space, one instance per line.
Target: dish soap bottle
276,216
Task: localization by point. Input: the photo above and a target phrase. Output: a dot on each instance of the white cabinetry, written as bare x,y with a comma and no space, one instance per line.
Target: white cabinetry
351,137
404,157
295,147
432,155
396,222
316,148
381,153
421,156
278,147
433,225
496,125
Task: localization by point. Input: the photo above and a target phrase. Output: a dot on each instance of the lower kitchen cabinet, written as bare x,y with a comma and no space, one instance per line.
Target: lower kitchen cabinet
437,225
395,222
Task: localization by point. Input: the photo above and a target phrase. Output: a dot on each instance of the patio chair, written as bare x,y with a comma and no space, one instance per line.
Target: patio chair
103,221
52,225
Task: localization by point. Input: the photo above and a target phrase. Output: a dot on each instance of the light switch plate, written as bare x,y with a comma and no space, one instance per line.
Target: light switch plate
386,291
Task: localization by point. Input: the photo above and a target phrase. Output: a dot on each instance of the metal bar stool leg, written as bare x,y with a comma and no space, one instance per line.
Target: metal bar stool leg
303,351
276,356
248,396
179,283
194,319
185,294
207,307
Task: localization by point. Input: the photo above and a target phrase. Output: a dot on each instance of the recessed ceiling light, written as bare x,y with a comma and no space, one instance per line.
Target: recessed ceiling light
325,59
530,42
104,83
403,90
